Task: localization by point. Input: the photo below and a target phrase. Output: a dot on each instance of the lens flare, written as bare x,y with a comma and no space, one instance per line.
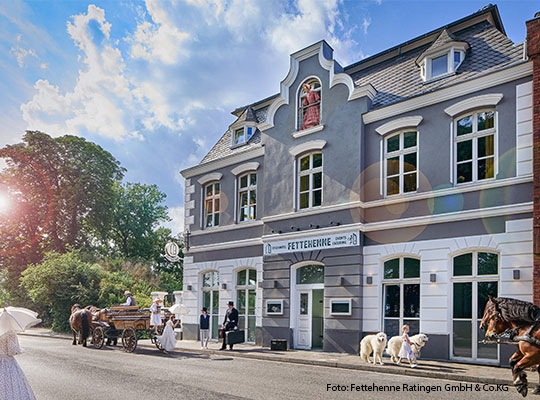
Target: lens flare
4,202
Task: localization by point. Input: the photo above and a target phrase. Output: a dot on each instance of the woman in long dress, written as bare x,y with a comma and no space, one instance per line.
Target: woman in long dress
312,115
168,338
155,317
13,382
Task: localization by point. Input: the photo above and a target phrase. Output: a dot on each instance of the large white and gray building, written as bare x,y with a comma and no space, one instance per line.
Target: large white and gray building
409,201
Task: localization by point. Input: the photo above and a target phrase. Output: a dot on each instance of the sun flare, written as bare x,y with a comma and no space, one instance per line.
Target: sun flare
4,203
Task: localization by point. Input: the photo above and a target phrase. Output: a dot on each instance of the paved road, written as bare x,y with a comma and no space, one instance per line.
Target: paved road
59,371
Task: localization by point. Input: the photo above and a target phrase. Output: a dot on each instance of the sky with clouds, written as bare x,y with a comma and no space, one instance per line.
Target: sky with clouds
154,82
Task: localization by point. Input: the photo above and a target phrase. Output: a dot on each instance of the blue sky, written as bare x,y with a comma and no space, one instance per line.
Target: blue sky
154,82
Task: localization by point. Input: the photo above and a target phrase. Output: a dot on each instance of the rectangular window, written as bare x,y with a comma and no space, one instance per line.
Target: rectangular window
401,163
310,180
211,202
247,197
341,306
439,65
274,307
239,136
475,147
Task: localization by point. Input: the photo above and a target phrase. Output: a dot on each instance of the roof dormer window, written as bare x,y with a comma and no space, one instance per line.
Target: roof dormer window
244,128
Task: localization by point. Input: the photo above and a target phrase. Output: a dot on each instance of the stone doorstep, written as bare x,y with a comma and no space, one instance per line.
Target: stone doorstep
324,360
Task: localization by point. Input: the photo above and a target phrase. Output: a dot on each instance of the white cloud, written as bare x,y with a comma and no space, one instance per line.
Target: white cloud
21,53
365,24
176,224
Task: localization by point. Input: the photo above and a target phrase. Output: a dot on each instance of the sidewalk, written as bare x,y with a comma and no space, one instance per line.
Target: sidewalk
429,369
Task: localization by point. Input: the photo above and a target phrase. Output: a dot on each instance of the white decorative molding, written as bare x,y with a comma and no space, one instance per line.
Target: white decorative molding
214,176
189,220
223,162
460,89
400,123
190,189
307,146
524,129
251,166
190,205
307,131
484,100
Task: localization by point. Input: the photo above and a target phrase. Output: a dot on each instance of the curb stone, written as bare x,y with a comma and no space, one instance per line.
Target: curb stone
389,369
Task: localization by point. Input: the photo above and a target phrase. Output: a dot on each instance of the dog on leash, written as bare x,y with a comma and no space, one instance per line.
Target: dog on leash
373,344
394,345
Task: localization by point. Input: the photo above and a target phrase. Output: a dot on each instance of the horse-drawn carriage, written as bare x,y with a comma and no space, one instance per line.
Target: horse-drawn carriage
125,322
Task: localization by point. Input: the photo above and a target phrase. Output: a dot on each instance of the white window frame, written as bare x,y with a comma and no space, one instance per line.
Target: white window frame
474,136
347,301
401,153
246,288
214,287
299,98
426,66
311,171
277,302
401,281
213,197
249,188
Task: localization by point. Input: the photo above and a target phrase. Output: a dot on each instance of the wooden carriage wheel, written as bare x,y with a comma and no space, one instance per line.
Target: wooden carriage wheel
155,340
98,337
129,340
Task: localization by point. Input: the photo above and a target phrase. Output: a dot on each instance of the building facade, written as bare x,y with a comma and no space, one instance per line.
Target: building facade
397,190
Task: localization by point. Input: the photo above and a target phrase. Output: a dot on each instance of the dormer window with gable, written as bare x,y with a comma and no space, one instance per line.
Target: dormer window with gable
244,128
442,58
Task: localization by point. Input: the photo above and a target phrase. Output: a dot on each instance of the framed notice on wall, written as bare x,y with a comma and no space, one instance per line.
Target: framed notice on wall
340,306
274,307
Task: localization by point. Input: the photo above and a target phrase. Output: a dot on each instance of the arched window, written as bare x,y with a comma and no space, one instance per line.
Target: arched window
310,274
210,299
401,289
246,297
309,104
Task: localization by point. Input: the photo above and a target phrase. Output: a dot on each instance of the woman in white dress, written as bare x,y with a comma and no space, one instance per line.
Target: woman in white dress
155,317
168,339
13,382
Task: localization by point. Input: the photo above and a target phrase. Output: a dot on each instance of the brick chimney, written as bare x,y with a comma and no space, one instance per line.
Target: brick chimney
533,52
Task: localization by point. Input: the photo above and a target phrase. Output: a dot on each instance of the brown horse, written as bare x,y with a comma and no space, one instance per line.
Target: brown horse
519,320
80,322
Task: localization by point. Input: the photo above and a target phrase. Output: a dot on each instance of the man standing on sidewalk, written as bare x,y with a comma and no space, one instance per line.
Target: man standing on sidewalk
204,326
229,324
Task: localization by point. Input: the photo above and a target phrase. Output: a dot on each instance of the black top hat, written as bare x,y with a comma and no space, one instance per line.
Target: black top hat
231,303
205,309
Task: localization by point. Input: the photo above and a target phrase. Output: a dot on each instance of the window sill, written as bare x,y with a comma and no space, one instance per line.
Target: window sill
308,131
475,183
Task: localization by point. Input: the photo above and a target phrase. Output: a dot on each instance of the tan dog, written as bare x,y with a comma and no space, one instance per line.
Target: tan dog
373,344
394,345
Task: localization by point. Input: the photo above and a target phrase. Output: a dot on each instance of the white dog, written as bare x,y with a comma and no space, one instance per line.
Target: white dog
373,343
394,345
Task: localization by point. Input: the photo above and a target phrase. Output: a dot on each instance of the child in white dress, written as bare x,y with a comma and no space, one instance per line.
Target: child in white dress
155,317
168,339
406,347
13,383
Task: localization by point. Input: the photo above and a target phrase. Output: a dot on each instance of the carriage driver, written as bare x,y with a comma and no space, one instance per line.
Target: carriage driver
130,301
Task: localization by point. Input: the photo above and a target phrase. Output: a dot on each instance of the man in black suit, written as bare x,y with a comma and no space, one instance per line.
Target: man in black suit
229,324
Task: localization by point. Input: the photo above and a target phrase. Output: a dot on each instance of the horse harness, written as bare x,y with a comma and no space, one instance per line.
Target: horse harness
512,332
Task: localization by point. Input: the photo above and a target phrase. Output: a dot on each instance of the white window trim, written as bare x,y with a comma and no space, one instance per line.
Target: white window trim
401,153
399,124
251,166
280,302
298,89
310,172
210,289
245,128
474,136
213,197
246,288
215,176
346,300
311,146
247,189
450,67
476,102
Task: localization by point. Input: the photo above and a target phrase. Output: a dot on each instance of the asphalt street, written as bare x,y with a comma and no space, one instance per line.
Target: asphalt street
57,370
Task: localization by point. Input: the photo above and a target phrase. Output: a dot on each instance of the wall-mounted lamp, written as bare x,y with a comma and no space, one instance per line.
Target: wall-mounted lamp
189,287
433,278
342,281
369,280
516,274
275,284
224,286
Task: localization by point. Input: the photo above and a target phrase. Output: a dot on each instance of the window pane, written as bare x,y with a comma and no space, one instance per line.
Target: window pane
216,188
252,197
215,326
486,168
207,280
244,181
464,172
215,302
249,132
251,302
486,146
439,65
209,221
253,179
251,329
215,279
317,198
464,125
464,150
411,300
243,213
304,163
340,307
304,200
392,185
488,351
209,190
409,139
463,300
409,162
487,263
241,301
253,212
216,205
239,135
304,183
392,166
317,180
485,289
304,303
317,160
462,339
392,144
411,268
252,277
243,199
216,219
409,183
486,120
391,327
241,278
414,326
391,300
457,58
206,300
310,274
391,269
463,265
